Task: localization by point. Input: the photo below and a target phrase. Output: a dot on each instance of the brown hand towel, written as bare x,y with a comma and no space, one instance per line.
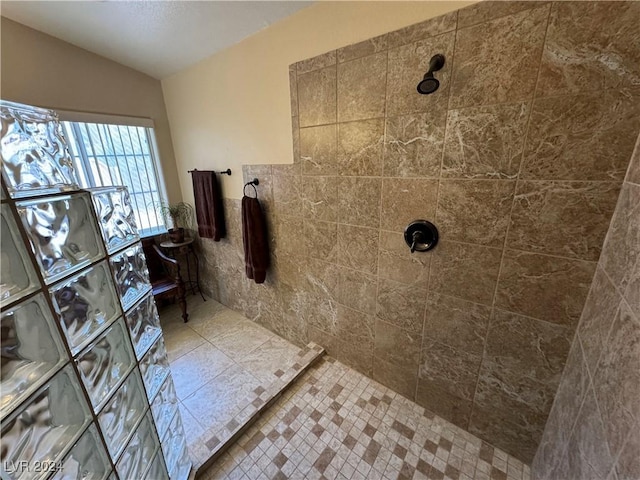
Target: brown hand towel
254,237
209,207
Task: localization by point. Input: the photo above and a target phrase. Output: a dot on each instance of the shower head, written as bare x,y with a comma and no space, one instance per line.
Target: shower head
429,83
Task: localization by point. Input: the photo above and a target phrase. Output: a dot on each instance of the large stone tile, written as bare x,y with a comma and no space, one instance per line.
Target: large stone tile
475,211
293,90
441,402
356,339
396,262
270,357
360,146
362,49
632,293
465,271
407,66
358,248
622,248
617,378
359,201
517,430
287,199
547,288
317,97
589,442
396,345
413,145
455,371
242,341
357,290
320,198
566,406
322,289
355,328
533,348
497,61
419,31
597,316
321,239
181,341
318,147
315,63
628,464
485,142
505,389
328,341
582,137
568,219
287,238
489,10
213,404
398,378
198,367
402,305
633,174
357,356
189,422
405,200
457,323
361,88
589,47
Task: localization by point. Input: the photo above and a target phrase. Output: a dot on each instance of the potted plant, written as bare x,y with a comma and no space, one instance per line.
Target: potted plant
179,216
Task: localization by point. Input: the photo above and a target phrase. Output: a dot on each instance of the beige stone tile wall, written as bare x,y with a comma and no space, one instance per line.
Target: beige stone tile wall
593,430
518,158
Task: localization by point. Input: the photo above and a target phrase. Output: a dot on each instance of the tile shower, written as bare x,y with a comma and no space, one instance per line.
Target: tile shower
518,158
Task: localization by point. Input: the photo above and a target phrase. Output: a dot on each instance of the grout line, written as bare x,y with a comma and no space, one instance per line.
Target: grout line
530,101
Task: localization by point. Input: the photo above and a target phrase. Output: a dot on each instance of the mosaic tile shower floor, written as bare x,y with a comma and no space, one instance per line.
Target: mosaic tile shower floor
331,423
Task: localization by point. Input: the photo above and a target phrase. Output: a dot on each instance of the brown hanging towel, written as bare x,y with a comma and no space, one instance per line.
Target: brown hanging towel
209,206
254,237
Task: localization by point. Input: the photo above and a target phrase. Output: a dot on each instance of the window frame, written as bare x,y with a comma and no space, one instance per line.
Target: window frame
85,171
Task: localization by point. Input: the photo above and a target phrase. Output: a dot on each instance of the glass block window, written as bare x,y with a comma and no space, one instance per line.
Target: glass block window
110,155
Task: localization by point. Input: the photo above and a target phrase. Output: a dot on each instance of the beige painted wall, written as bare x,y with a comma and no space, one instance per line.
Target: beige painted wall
41,70
233,108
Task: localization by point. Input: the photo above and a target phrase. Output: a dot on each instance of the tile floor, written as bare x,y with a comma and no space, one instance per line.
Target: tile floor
226,370
331,423
335,423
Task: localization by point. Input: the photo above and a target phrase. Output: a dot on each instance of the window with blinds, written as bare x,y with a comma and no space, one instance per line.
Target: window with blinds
109,154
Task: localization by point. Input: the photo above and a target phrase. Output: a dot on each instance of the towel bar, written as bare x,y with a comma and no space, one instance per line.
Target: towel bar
223,172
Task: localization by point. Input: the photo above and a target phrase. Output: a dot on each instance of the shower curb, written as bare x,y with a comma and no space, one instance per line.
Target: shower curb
311,354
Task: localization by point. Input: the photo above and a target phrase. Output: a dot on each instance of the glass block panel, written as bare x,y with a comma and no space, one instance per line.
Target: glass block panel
165,406
105,362
183,464
31,350
85,303
131,275
116,217
44,427
35,158
157,470
87,460
138,454
62,233
17,275
121,413
144,325
154,368
174,444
